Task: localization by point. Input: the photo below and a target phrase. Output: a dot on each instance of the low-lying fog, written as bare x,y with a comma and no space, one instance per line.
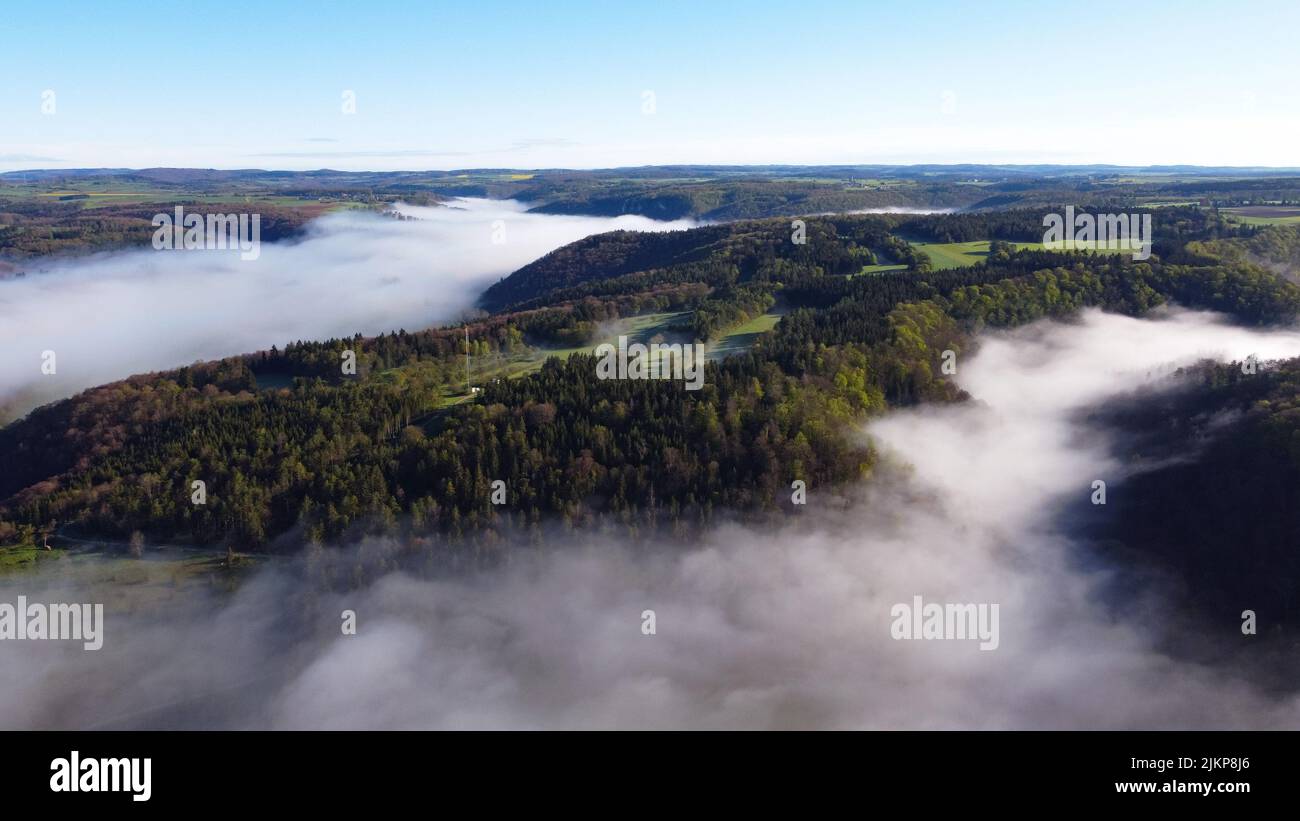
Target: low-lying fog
786,628
112,315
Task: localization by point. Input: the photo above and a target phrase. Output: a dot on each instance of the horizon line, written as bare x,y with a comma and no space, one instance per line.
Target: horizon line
719,166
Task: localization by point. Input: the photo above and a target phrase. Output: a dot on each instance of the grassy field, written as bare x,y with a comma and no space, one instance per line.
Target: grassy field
962,254
879,269
668,328
955,254
885,265
644,329
1265,214
99,193
742,337
164,573
25,557
959,255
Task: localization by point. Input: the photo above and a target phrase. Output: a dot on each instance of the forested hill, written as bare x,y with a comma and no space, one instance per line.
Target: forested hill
292,450
717,200
604,256
739,252
1220,509
767,251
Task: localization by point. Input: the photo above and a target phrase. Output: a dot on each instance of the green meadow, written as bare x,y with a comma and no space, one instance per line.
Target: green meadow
25,556
164,573
1265,215
956,254
879,269
667,327
963,254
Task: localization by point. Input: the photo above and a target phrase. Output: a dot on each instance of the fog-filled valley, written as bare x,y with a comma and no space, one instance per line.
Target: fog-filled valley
785,627
115,314
931,472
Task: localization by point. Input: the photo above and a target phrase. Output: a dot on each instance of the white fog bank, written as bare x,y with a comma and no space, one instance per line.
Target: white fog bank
112,315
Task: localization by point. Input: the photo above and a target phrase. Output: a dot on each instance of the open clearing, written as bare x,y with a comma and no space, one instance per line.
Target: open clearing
958,254
165,573
963,254
668,328
1266,214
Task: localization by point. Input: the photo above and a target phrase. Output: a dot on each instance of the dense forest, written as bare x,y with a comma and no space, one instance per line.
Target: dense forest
1226,521
31,228
709,200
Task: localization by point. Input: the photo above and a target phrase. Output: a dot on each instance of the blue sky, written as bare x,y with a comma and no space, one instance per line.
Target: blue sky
493,84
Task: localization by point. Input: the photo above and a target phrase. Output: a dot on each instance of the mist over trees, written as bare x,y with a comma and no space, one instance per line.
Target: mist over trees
321,456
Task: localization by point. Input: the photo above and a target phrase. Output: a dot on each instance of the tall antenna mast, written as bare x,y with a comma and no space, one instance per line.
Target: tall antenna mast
468,387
